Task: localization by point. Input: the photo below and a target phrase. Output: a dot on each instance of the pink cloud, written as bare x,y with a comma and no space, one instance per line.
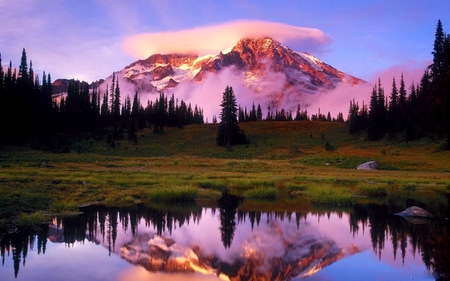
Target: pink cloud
215,38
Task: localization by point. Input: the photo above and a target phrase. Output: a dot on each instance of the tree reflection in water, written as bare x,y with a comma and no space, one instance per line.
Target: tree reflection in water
429,240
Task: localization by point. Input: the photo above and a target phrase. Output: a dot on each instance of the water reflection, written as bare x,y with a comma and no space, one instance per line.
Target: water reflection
230,243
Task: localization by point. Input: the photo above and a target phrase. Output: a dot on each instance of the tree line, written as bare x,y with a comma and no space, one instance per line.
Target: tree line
256,114
30,113
422,111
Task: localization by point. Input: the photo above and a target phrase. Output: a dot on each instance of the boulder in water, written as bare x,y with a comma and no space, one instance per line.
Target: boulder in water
415,211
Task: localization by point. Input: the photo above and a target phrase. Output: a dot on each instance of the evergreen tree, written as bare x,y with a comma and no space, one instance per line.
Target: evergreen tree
136,105
376,127
31,76
446,90
228,133
402,104
298,114
9,83
23,69
259,113
438,66
241,114
117,100
253,113
393,113
353,117
171,111
104,109
111,95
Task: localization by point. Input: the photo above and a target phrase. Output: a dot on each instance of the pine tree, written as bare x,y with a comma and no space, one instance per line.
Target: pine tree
259,113
446,88
104,109
438,66
402,104
117,99
23,69
253,113
353,116
136,105
31,76
394,116
376,127
111,95
228,133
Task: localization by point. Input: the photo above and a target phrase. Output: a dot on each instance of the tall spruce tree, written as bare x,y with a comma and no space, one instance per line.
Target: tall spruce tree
377,127
259,113
116,102
394,112
104,110
438,66
23,69
229,133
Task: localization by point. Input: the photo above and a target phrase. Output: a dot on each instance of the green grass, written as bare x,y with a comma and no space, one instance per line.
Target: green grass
261,193
409,187
325,195
372,190
173,194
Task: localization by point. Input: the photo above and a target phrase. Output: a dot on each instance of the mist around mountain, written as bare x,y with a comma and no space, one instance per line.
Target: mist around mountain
260,70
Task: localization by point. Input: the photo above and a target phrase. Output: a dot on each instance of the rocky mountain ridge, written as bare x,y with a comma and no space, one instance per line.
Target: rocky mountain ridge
270,73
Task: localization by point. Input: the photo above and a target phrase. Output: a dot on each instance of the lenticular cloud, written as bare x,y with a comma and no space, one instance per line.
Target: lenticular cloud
215,38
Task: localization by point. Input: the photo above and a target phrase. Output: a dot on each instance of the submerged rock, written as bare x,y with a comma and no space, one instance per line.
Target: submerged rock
371,165
415,211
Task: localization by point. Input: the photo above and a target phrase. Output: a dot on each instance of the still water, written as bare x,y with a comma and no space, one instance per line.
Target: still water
228,243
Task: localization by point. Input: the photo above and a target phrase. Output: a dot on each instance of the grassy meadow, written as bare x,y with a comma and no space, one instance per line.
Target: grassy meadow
285,165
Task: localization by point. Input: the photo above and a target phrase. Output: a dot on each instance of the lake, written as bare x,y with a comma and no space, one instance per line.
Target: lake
229,241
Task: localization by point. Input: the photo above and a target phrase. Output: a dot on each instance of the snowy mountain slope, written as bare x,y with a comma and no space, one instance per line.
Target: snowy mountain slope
259,69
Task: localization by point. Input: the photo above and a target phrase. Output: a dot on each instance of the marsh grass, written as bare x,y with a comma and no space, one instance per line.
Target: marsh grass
261,193
409,187
173,194
372,190
247,183
326,195
25,220
62,208
216,184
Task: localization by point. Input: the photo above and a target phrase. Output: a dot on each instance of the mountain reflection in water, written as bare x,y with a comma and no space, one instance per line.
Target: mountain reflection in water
228,243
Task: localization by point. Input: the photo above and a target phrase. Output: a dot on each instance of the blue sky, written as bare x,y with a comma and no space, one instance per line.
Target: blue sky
90,39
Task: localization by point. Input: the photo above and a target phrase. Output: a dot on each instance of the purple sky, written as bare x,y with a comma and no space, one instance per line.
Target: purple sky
90,39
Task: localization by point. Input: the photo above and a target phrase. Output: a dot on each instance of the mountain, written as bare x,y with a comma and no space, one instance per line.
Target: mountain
299,257
260,70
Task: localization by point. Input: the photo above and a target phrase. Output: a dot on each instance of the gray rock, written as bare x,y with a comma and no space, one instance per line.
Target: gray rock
415,212
371,165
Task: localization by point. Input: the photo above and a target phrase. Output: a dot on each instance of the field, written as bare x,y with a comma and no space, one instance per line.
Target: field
284,165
